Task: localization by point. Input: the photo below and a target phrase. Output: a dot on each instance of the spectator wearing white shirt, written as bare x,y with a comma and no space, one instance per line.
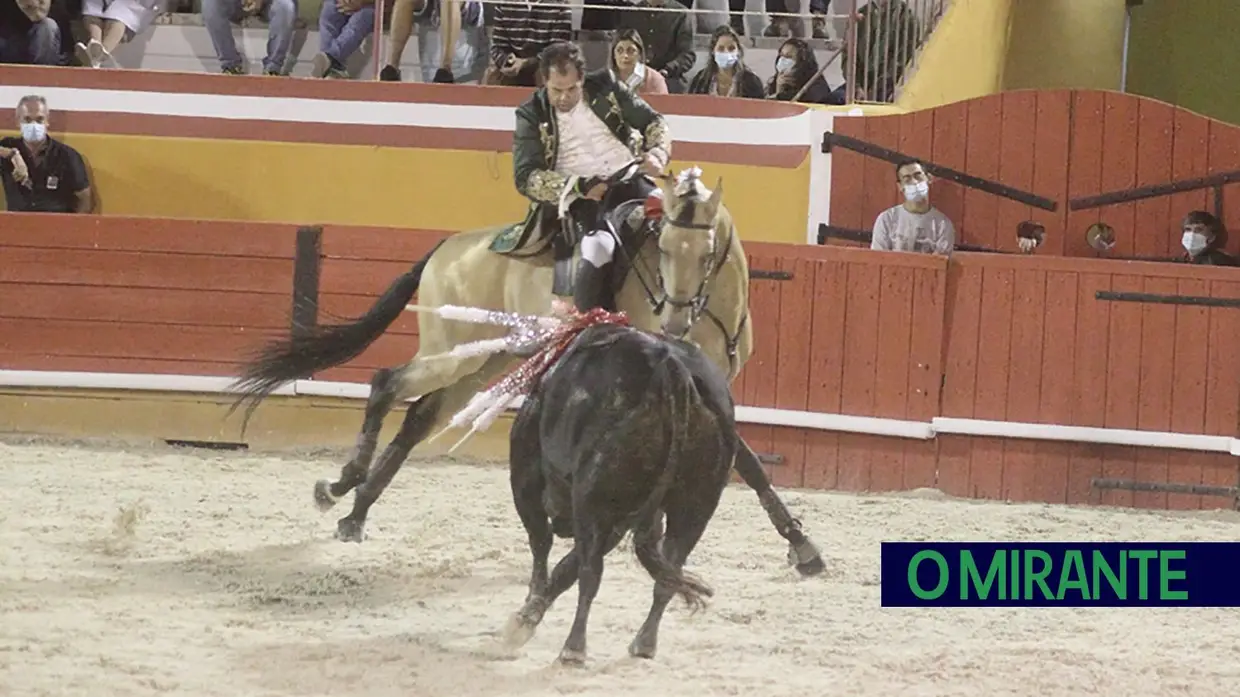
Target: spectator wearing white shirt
915,225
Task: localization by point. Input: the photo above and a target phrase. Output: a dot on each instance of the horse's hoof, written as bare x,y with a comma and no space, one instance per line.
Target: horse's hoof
575,659
642,649
806,558
323,499
518,631
349,530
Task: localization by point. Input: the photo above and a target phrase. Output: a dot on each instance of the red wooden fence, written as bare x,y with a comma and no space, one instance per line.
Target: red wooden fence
1060,144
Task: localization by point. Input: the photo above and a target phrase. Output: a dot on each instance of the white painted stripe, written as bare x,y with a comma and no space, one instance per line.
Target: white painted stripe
759,415
790,130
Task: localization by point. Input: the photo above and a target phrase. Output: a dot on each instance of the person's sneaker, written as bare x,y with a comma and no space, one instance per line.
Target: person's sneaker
91,54
273,72
390,73
444,75
777,28
320,65
820,27
233,70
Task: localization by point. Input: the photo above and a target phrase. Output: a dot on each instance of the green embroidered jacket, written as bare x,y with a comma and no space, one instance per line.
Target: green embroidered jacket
535,146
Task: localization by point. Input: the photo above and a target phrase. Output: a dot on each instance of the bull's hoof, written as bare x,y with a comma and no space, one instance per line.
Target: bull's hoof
643,649
806,558
323,499
572,658
349,530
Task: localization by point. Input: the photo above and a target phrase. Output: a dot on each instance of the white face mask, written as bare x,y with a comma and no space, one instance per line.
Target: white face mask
1194,242
918,191
726,59
34,132
783,65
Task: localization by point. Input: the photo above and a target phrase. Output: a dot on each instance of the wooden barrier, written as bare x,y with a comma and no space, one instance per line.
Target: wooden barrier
1059,144
990,338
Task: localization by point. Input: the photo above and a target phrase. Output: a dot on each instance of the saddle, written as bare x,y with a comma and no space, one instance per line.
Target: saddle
630,223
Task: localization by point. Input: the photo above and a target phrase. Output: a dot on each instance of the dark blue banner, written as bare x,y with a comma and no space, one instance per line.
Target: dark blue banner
1068,574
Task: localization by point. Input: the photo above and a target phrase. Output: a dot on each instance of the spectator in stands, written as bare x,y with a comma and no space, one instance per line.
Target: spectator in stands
521,33
888,34
28,33
628,64
447,16
726,74
109,23
39,173
915,225
280,16
795,66
667,33
1203,238
343,26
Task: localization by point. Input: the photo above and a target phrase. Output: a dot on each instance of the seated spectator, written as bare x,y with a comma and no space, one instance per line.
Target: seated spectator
41,174
521,32
667,33
915,225
111,23
1203,238
28,33
447,16
343,26
726,75
279,15
795,26
628,64
888,35
796,66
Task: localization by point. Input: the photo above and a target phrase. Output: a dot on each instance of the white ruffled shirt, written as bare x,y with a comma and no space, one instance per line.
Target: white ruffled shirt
587,147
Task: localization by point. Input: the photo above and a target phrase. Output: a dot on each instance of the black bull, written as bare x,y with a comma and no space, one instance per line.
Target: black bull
625,429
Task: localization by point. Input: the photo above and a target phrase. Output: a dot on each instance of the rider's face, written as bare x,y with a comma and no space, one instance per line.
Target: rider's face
564,88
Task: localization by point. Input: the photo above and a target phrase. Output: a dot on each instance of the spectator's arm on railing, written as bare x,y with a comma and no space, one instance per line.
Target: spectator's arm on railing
679,66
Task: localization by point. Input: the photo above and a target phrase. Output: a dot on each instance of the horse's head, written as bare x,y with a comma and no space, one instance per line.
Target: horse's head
689,248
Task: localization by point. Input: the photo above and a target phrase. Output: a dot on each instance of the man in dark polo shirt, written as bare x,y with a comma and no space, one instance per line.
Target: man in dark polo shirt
40,174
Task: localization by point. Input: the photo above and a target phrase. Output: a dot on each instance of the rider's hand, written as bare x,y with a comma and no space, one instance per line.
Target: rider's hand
652,166
596,192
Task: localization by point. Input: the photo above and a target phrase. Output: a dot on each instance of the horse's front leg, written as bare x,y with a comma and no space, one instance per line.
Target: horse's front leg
802,553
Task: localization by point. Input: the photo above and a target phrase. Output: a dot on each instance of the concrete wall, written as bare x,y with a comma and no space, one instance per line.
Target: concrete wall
963,58
1058,44
1183,52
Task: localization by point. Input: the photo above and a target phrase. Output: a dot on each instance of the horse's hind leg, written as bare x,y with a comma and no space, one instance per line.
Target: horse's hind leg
802,552
438,399
378,404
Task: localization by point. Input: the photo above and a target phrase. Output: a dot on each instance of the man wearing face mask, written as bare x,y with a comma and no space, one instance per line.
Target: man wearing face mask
1202,236
915,225
41,174
574,131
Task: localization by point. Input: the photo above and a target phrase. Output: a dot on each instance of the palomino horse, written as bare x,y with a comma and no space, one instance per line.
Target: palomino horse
693,266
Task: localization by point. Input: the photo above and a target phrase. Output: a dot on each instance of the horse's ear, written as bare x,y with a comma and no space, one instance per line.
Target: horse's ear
716,196
667,184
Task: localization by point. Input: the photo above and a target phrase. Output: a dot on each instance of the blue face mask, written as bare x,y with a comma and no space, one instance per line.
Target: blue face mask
783,65
34,132
726,59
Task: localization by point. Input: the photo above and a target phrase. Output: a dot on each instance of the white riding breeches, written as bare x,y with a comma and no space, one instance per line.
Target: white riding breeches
598,248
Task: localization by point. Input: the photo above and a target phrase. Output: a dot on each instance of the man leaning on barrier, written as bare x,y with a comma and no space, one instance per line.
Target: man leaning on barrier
573,133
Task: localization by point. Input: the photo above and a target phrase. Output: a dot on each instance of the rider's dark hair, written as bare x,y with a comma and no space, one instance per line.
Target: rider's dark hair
560,55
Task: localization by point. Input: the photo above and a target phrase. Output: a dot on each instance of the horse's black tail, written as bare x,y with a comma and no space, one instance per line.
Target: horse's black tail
312,349
684,400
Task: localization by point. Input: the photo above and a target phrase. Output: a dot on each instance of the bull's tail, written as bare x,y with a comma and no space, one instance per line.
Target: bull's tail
312,349
679,410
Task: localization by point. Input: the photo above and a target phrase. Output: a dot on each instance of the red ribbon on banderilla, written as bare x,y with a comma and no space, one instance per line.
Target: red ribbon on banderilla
546,336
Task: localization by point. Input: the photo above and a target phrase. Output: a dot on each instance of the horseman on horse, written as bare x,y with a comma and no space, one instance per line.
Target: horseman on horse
584,144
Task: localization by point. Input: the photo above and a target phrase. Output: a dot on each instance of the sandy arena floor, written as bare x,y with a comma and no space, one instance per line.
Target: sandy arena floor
147,571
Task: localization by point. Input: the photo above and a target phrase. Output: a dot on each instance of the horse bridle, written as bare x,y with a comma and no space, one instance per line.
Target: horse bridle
697,304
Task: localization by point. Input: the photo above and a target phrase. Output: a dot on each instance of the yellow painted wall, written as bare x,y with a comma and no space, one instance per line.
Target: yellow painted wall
1183,52
1057,44
366,185
964,57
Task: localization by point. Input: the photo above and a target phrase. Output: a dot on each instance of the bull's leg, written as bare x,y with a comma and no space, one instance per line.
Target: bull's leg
382,396
590,548
422,416
802,552
527,481
687,518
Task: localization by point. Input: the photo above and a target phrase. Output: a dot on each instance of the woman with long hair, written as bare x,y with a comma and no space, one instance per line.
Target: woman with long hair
726,74
628,64
795,66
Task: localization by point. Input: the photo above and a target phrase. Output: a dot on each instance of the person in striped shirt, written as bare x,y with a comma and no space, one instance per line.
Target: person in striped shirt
521,33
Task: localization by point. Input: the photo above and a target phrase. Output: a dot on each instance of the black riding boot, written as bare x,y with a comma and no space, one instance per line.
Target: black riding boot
593,288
